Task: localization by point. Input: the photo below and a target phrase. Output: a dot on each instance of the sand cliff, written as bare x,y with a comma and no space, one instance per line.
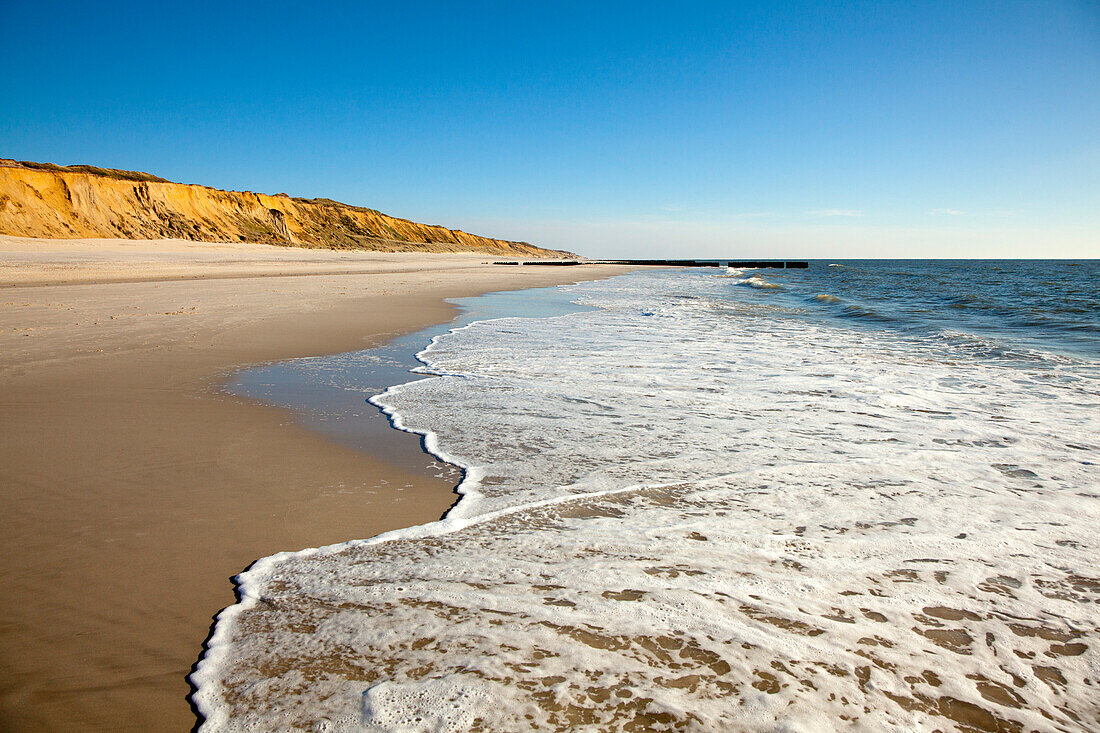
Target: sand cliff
44,200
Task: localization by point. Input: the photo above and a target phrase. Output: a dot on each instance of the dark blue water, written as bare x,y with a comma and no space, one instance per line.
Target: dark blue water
1047,305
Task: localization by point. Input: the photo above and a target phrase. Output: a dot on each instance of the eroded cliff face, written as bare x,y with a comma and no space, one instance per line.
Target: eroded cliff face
42,200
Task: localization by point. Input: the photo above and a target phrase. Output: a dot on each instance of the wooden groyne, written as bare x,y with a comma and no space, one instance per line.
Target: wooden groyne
747,264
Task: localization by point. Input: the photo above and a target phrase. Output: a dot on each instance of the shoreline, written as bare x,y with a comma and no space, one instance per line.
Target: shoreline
136,490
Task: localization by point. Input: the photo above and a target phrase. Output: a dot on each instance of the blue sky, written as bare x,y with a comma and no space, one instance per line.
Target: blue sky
615,129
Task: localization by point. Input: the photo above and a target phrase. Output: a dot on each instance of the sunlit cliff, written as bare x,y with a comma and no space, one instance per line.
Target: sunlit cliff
44,200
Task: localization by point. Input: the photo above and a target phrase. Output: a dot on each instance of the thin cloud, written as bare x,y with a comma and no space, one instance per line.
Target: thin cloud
752,215
947,212
835,212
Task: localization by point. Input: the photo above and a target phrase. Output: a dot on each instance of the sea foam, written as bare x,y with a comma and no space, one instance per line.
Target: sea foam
686,510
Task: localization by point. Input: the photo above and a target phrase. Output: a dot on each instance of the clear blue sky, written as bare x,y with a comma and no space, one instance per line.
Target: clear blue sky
615,129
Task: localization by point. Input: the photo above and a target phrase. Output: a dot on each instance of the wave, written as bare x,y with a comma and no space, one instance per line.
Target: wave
848,309
757,282
977,346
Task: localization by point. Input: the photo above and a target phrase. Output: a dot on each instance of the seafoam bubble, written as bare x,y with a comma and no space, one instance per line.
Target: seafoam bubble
447,704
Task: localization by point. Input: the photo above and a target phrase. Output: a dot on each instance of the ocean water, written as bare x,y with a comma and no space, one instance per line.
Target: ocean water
861,496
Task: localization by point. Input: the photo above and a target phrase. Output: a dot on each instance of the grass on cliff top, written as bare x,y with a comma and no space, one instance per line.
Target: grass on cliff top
330,202
93,170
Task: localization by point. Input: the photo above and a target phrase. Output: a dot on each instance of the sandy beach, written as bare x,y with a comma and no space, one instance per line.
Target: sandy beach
133,489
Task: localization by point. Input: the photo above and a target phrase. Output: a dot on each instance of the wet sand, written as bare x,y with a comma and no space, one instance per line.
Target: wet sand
133,488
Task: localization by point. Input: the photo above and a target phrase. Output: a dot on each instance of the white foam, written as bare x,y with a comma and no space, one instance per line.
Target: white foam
708,515
758,282
441,705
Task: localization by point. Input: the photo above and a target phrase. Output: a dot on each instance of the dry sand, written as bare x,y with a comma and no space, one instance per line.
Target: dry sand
133,489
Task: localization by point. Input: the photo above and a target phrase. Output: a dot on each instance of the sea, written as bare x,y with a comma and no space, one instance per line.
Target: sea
859,496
